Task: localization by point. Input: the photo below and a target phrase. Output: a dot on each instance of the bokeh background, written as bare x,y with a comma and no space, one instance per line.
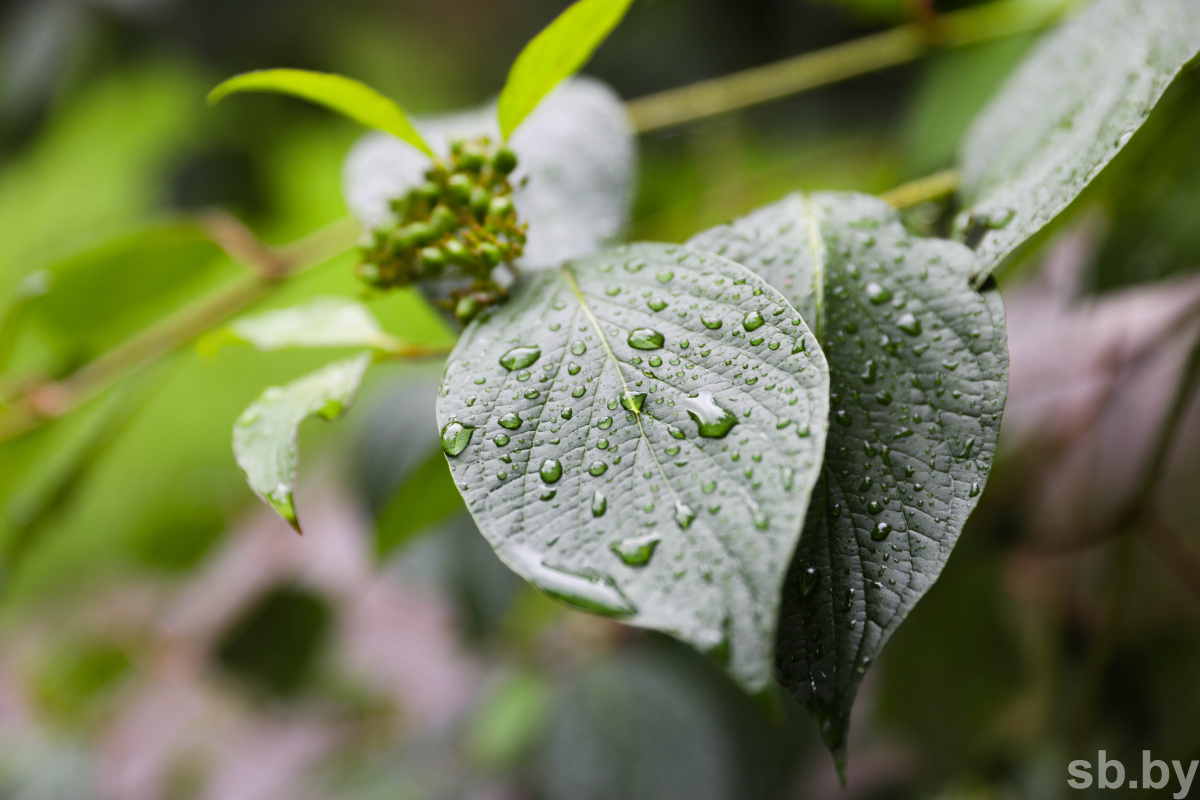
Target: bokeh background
163,636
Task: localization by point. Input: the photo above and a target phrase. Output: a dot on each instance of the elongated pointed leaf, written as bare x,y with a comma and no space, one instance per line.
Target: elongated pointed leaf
1065,113
637,433
918,373
264,436
321,322
554,55
346,96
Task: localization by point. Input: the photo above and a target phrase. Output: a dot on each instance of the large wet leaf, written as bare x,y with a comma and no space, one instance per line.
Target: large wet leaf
638,434
346,96
578,161
554,55
1065,113
918,371
264,436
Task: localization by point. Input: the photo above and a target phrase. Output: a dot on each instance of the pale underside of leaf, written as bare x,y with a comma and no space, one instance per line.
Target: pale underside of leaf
264,436
346,96
320,322
554,55
918,373
574,183
649,520
1063,116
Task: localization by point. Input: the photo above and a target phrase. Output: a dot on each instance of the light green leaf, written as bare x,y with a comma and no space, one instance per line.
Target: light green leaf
321,322
346,96
1063,115
554,55
264,436
918,373
141,275
637,433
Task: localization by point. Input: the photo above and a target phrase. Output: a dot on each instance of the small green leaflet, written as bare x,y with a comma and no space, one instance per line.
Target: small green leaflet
1063,116
346,96
638,433
321,322
264,436
554,55
918,374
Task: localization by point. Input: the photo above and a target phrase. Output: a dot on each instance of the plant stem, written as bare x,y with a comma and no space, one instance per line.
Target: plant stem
899,45
931,187
271,266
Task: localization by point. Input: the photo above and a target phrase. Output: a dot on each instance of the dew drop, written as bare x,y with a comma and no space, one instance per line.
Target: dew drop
455,437
909,324
638,550
551,470
714,422
599,504
712,323
520,357
645,339
881,531
510,421
753,321
598,468
878,295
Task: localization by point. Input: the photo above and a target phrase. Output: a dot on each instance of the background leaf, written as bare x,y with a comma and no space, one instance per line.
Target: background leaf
918,373
346,96
574,183
264,437
554,55
638,433
320,322
1065,113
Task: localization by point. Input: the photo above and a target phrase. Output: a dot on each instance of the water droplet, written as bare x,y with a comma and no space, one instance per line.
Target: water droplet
712,323
578,348
636,551
683,516
500,439
665,276
599,504
520,357
843,418
567,413
761,521
590,591
878,295
510,421
809,580
645,339
573,368
598,468
455,437
714,422
909,324
656,303
881,531
551,470
633,402
753,321
974,489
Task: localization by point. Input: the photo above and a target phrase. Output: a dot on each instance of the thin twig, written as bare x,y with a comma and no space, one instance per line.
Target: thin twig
899,45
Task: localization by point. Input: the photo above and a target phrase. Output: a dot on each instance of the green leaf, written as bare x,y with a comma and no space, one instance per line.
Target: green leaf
1065,113
637,433
918,374
141,275
264,436
321,322
554,55
346,96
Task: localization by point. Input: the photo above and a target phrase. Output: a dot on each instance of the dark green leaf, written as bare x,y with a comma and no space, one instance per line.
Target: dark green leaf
264,437
1070,107
554,55
918,373
321,322
638,433
346,96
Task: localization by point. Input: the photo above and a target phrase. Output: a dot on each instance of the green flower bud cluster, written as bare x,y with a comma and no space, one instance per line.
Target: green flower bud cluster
459,222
